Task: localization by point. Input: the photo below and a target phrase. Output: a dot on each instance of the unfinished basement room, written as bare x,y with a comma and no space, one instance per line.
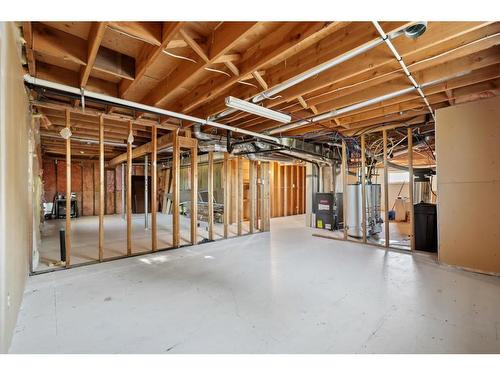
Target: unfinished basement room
250,187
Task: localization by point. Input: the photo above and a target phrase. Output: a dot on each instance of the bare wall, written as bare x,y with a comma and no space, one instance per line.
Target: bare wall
15,211
468,168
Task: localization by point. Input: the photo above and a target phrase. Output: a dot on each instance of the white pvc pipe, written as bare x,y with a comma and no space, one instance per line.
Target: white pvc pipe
142,107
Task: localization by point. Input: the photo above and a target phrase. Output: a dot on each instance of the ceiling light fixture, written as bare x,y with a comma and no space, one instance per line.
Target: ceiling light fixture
255,109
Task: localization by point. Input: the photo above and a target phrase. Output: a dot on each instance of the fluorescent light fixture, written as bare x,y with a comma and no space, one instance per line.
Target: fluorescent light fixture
255,109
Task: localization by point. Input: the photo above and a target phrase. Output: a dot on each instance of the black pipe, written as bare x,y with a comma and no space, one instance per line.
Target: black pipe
62,244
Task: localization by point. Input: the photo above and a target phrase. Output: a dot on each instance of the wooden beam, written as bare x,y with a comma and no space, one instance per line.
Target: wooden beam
149,32
274,46
129,193
68,194
154,187
194,194
210,195
223,40
194,46
386,191
96,34
101,188
260,80
30,55
148,56
176,166
266,222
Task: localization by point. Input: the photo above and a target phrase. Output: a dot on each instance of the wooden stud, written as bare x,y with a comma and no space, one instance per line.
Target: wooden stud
251,195
68,193
265,218
176,190
225,177
101,188
154,188
386,191
363,185
210,195
297,191
129,192
410,188
344,188
194,195
285,190
239,196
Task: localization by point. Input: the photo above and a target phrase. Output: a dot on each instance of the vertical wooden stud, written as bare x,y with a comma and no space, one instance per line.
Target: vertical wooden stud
101,188
410,188
194,195
175,191
386,191
210,183
265,218
68,193
239,199
251,195
225,177
129,191
154,187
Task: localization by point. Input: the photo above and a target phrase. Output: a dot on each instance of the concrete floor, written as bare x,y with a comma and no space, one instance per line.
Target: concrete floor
279,292
85,237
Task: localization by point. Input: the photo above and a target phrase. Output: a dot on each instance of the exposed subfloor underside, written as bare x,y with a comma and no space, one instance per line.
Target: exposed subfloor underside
279,292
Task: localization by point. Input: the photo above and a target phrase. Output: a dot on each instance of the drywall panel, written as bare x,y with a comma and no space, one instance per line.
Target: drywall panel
468,169
15,211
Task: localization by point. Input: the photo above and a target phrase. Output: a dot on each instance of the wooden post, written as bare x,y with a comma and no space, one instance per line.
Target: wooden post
251,195
129,191
279,197
344,188
175,191
225,177
239,196
154,187
194,195
285,190
101,188
210,195
68,193
410,188
297,192
265,217
386,191
363,185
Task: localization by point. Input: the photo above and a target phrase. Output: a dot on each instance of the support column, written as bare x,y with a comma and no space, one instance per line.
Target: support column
363,185
225,177
386,190
123,190
344,188
194,195
68,193
210,183
175,191
410,188
154,187
129,190
266,223
101,188
251,195
239,196
146,191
